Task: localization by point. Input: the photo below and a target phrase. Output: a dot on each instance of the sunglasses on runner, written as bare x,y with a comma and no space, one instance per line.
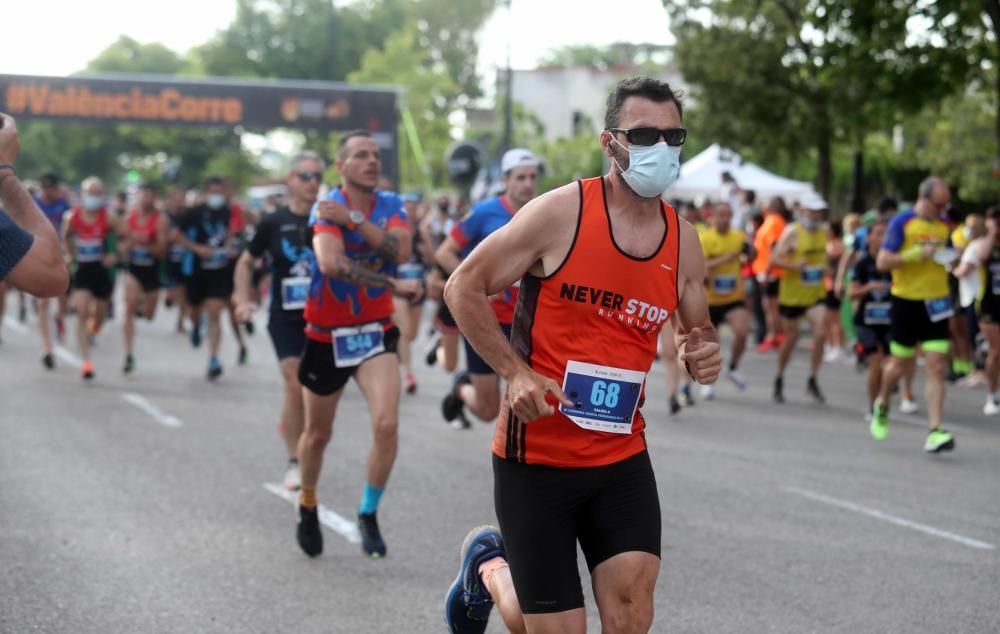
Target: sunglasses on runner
309,176
649,136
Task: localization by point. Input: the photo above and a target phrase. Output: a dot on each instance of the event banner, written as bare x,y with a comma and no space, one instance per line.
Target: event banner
210,101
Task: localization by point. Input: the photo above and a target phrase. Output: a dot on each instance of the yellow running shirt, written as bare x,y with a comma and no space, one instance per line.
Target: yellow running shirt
723,284
924,279
805,288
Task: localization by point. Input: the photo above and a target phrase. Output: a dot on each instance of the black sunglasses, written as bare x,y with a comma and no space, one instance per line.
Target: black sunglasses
649,136
308,176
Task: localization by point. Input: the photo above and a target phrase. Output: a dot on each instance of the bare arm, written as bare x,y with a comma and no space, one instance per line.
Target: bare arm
41,271
161,244
781,255
887,260
243,279
426,241
527,243
691,322
720,260
845,263
333,262
447,255
394,245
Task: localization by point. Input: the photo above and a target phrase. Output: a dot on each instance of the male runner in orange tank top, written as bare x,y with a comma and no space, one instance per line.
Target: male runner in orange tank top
603,265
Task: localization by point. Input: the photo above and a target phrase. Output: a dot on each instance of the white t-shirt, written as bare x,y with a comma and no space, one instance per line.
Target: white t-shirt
968,286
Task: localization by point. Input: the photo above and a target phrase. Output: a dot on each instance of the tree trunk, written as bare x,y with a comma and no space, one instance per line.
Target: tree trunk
824,172
858,196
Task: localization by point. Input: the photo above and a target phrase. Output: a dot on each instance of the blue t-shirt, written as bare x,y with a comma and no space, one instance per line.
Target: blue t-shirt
485,218
14,243
54,210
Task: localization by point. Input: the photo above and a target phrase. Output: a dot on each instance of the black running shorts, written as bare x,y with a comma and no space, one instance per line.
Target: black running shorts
288,334
444,321
319,374
475,363
717,314
93,277
213,284
147,276
543,511
911,324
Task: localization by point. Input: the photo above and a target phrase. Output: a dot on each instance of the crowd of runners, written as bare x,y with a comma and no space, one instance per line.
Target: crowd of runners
517,283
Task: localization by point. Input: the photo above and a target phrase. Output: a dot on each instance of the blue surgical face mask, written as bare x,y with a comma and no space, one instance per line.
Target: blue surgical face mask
216,201
810,224
651,168
92,203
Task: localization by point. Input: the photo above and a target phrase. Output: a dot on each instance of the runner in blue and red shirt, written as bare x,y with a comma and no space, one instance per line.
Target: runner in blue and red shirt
53,203
360,235
478,388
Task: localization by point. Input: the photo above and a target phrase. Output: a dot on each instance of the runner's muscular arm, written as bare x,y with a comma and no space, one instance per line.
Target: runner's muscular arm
527,243
161,244
781,255
333,262
691,322
447,255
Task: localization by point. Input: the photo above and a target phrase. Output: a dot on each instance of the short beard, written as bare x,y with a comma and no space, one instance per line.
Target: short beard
358,186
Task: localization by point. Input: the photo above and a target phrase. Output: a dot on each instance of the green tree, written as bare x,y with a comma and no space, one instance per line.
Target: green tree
429,93
785,75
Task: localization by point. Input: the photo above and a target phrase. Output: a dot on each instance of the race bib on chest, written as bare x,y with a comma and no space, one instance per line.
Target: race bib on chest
89,250
939,309
724,284
410,271
352,346
812,276
294,293
604,399
141,256
878,314
219,259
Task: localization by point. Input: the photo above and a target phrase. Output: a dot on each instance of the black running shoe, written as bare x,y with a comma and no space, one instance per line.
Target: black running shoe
371,538
308,533
675,405
779,390
432,350
250,328
812,389
129,364
242,360
49,361
451,406
688,400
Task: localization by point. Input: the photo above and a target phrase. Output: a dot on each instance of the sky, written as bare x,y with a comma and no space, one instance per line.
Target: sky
57,37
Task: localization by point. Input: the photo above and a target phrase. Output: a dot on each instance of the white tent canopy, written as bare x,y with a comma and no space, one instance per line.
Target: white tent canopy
701,176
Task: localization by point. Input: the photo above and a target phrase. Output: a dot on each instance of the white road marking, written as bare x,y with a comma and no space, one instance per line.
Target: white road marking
145,405
15,325
67,356
327,517
892,519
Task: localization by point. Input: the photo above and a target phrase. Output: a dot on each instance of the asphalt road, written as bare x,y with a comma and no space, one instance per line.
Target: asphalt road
138,504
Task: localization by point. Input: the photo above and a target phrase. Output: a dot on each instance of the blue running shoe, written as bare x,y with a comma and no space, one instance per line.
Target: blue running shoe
196,335
214,369
468,604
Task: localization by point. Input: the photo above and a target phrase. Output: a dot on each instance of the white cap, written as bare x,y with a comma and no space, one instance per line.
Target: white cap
814,202
516,158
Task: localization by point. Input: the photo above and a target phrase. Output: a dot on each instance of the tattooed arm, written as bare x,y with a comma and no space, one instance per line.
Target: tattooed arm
393,244
334,262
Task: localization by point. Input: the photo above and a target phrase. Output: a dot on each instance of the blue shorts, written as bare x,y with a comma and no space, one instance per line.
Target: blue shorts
475,363
288,334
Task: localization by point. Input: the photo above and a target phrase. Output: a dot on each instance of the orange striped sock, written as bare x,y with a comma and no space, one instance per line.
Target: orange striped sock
308,497
488,568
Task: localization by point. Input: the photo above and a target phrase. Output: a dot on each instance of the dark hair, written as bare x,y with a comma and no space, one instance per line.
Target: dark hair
837,228
751,196
645,87
214,180
887,204
342,145
149,187
49,180
993,213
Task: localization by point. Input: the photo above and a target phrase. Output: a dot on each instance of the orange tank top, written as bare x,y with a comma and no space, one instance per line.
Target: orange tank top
592,326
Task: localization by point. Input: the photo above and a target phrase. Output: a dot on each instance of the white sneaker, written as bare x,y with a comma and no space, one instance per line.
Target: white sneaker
293,477
737,379
707,392
831,355
906,406
992,407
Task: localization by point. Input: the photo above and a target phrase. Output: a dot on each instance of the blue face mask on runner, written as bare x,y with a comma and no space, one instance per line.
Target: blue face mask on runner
216,201
651,168
92,203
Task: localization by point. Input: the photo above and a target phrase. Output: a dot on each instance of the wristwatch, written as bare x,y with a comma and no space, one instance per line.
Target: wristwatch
355,219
